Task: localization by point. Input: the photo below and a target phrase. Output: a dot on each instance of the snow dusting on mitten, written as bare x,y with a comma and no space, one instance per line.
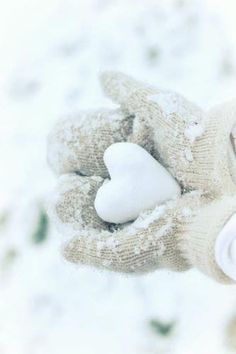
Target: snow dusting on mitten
194,147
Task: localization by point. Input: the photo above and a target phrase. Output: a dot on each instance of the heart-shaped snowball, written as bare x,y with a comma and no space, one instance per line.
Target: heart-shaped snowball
138,182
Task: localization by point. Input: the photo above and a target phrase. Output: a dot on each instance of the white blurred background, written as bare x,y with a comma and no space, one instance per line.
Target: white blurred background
50,55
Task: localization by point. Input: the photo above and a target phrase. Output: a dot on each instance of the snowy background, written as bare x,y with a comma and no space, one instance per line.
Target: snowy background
51,53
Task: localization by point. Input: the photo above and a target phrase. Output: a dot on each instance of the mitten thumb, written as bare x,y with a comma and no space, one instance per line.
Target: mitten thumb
119,87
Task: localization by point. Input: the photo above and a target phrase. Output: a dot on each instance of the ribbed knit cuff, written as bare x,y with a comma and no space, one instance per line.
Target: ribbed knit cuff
213,152
197,242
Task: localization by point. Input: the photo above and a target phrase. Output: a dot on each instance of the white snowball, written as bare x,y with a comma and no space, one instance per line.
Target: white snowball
138,182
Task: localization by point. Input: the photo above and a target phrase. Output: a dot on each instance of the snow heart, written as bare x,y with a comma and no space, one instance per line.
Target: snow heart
138,182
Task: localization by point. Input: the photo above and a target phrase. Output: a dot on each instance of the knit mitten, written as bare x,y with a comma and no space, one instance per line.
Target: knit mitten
193,145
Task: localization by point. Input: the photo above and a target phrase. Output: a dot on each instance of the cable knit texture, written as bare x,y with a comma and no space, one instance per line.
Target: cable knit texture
196,148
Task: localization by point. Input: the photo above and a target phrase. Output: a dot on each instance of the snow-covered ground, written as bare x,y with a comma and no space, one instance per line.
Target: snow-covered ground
51,53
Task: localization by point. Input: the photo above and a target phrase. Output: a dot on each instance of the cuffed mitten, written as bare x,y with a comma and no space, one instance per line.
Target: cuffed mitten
195,147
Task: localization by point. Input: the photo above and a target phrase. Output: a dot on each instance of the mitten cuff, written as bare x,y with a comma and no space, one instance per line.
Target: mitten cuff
198,241
214,154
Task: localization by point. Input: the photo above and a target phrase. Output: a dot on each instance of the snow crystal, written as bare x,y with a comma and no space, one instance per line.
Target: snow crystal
112,242
146,218
163,229
186,211
161,249
87,121
188,154
106,263
169,102
172,103
100,245
193,131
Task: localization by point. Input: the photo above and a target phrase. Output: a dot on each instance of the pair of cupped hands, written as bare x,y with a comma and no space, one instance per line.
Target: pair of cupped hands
196,229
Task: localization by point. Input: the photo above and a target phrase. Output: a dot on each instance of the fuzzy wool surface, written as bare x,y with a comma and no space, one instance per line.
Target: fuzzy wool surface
193,145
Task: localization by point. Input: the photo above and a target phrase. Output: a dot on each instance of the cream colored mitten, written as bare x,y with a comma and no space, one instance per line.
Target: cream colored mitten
194,146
